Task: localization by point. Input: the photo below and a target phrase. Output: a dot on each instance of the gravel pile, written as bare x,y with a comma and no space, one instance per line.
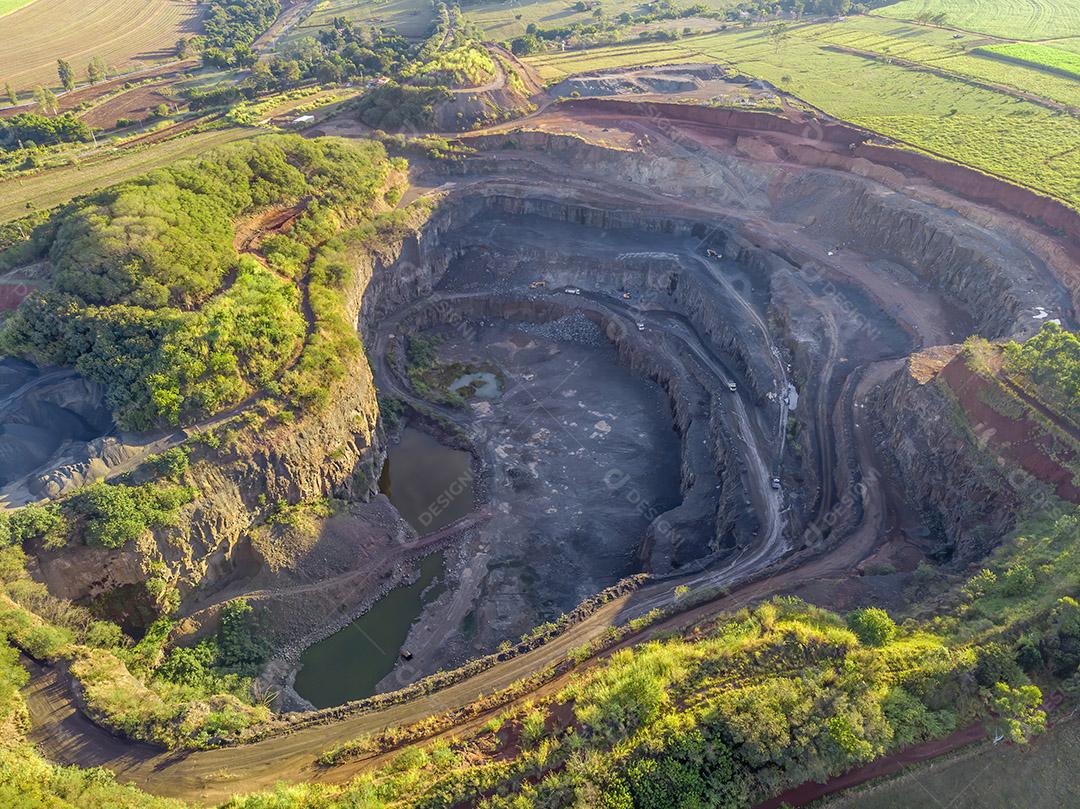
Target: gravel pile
574,328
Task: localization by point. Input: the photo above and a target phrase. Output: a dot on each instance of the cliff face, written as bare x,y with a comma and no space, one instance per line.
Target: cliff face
968,500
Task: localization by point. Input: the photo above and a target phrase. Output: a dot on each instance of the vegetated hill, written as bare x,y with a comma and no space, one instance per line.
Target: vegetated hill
1019,402
148,273
181,291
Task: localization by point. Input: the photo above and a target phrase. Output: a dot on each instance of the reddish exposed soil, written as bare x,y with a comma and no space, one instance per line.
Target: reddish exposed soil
887,765
12,293
251,232
134,105
1023,441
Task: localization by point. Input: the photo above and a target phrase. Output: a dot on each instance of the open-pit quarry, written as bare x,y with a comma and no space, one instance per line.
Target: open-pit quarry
629,339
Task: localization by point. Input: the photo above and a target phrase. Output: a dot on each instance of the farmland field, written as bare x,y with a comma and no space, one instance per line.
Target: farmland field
410,18
500,20
1035,776
936,48
127,34
58,185
1039,56
1013,19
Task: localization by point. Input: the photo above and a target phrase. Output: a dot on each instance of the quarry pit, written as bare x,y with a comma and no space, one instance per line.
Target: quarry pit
659,341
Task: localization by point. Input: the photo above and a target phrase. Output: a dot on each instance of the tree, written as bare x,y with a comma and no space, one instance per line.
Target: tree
240,647
66,73
181,48
11,97
96,70
872,626
46,100
779,35
1019,715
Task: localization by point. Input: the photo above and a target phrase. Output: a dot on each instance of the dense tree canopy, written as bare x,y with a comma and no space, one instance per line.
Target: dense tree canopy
28,128
148,294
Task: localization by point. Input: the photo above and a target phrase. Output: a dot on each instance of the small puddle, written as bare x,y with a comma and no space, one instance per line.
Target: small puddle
431,485
349,664
485,384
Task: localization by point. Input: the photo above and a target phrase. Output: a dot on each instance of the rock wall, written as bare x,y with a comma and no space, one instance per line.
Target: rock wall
965,497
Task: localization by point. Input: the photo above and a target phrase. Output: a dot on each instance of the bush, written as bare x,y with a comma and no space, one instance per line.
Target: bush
872,626
1018,581
29,127
240,648
111,515
29,523
172,464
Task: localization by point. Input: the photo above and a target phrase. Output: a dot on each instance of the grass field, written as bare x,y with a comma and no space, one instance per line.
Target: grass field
936,48
982,128
410,18
501,20
1038,776
1038,56
1012,19
127,34
8,6
58,185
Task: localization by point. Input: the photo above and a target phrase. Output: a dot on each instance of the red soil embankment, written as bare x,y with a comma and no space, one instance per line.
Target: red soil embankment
1023,441
886,765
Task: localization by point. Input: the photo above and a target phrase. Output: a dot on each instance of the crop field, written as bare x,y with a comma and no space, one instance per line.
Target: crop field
58,185
1039,56
127,34
135,105
1031,80
988,130
1012,19
936,48
919,43
410,18
555,66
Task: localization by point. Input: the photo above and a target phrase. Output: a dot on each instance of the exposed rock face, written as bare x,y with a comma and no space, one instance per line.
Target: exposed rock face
966,497
336,452
999,284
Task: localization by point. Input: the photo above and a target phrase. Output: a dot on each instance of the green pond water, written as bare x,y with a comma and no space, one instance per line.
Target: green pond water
348,664
431,485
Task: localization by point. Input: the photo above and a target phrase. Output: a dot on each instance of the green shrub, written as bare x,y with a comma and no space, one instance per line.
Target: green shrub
172,464
111,515
872,626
